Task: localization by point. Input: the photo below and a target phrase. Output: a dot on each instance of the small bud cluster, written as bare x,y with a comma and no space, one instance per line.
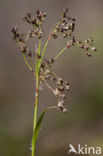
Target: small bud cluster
21,39
36,22
86,45
46,66
71,42
46,74
17,37
65,26
59,92
38,33
61,85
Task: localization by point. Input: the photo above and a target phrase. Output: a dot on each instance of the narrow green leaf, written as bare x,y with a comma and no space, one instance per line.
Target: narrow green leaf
39,122
37,128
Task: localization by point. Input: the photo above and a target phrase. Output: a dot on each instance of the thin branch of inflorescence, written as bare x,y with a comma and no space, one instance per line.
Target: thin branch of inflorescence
60,53
27,63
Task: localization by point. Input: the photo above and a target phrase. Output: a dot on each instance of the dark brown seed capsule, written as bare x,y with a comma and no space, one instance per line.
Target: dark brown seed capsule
52,60
67,83
47,61
42,65
60,80
65,10
86,47
61,88
23,49
54,36
54,79
34,21
82,46
88,54
29,15
38,12
38,56
73,19
30,54
14,29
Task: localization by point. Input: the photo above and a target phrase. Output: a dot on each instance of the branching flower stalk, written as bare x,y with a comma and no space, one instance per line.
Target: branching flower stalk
41,67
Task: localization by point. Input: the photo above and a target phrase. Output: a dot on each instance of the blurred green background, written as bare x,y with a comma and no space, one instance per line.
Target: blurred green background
84,122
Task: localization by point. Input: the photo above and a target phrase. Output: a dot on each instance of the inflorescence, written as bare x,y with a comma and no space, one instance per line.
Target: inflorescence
65,27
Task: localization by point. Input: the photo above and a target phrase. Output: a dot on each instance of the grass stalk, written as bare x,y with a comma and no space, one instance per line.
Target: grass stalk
35,112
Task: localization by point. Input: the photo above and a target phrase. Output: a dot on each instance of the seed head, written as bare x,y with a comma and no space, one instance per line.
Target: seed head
14,30
93,49
30,54
64,27
65,10
88,54
65,110
56,92
23,49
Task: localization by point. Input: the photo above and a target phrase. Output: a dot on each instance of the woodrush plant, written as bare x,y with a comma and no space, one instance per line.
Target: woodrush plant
40,67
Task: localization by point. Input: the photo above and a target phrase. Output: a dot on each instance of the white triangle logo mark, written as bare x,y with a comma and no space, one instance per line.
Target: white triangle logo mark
72,149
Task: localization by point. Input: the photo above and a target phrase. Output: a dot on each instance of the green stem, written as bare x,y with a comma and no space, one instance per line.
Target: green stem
43,52
35,112
36,100
39,47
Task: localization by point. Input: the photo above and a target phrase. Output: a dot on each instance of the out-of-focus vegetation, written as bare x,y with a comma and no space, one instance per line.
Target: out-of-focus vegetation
84,122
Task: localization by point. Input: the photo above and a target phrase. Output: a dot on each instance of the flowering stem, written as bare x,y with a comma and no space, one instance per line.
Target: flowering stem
36,101
42,69
35,112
